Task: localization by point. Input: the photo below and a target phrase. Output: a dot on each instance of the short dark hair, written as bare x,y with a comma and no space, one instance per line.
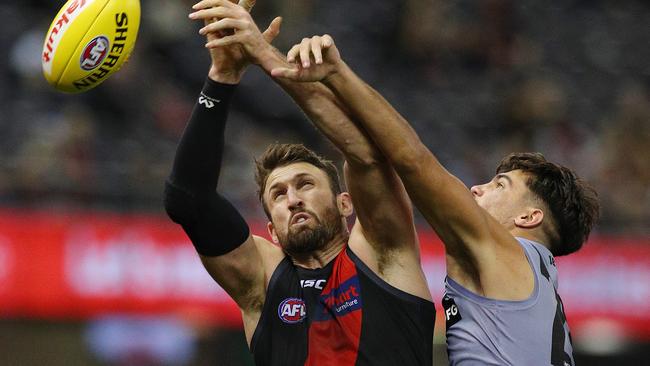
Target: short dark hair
279,155
573,203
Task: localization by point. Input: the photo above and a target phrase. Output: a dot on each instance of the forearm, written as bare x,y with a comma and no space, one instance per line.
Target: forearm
326,112
391,133
381,204
197,163
443,199
212,223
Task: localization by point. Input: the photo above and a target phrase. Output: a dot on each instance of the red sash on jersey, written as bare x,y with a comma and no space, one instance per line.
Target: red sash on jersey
336,326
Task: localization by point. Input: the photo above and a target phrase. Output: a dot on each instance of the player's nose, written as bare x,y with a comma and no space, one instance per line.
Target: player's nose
477,191
294,200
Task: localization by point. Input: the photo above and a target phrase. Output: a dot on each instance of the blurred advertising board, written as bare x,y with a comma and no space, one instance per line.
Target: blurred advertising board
81,265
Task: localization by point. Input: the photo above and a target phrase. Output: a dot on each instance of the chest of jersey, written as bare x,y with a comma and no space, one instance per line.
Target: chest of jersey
335,315
313,316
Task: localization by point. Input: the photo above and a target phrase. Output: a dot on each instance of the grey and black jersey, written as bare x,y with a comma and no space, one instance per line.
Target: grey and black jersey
531,332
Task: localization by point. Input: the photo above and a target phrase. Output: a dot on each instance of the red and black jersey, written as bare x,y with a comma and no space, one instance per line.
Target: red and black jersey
343,315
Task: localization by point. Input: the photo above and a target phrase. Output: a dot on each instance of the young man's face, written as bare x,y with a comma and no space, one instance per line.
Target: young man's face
505,197
305,213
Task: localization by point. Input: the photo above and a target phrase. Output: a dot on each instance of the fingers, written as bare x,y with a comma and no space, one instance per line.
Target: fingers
305,49
205,4
223,41
328,41
273,30
316,49
218,12
224,24
293,52
308,48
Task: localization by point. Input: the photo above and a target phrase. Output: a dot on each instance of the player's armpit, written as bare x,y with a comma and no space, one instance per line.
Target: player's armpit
481,252
243,273
383,208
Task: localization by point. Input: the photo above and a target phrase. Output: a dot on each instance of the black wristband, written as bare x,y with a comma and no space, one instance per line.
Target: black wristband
216,92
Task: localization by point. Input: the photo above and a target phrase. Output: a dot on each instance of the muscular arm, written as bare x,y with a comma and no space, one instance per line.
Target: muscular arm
239,262
216,229
442,198
481,254
384,212
382,206
477,246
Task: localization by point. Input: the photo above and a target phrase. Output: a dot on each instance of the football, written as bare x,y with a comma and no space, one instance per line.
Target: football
88,41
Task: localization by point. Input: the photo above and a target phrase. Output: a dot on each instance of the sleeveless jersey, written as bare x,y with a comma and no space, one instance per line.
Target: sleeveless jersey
342,314
531,332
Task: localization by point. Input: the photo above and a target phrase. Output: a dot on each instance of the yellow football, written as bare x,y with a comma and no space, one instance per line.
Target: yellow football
88,41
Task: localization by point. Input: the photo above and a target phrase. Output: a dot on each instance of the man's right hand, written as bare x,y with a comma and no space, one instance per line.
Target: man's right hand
314,59
233,38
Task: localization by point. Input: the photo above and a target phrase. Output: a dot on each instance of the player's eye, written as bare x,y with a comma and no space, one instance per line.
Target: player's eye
275,195
305,184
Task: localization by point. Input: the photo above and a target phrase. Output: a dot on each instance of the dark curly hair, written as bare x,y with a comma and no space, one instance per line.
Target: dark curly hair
573,203
279,155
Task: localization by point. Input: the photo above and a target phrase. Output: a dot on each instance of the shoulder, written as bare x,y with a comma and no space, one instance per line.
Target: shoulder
541,258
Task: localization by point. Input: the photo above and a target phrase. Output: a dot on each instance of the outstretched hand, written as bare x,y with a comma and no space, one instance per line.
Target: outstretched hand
233,39
314,59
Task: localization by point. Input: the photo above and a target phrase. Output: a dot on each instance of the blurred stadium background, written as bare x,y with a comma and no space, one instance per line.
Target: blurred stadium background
92,272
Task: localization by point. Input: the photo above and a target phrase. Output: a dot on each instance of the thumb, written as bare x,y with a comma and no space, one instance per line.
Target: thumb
273,30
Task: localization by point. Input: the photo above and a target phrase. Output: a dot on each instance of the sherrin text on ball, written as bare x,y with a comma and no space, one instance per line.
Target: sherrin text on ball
88,41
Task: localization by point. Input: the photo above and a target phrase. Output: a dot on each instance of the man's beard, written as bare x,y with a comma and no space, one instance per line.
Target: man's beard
302,240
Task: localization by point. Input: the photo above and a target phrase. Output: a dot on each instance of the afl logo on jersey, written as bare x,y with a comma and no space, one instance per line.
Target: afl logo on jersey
292,310
94,53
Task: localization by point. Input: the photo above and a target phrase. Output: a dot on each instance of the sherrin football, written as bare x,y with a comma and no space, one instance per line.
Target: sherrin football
88,41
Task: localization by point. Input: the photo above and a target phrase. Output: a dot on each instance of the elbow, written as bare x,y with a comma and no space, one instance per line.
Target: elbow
362,154
179,204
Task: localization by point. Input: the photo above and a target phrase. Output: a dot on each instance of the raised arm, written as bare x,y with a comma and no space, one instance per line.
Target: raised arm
380,200
238,261
471,236
382,206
